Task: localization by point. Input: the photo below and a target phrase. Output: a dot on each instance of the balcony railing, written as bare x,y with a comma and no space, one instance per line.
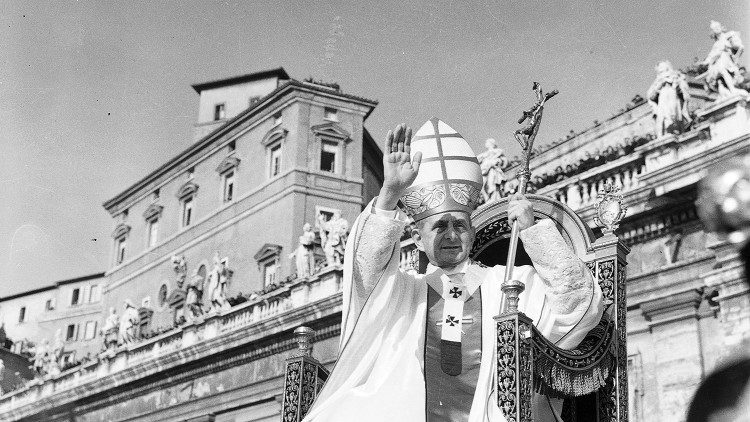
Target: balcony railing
581,190
292,295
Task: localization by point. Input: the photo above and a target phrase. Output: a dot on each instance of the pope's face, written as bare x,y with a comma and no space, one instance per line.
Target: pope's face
445,238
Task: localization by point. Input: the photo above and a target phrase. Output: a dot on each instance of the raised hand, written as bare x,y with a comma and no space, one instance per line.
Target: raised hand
399,169
520,208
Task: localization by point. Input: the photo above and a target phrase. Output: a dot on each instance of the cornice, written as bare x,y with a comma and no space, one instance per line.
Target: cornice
229,162
331,130
121,230
673,307
153,210
266,251
188,188
276,133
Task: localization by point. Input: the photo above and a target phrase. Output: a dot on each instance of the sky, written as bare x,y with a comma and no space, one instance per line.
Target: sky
96,94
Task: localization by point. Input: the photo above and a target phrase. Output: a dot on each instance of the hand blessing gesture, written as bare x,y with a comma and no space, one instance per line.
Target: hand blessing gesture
399,170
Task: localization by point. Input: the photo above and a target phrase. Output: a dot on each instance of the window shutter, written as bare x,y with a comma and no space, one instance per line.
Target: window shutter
86,293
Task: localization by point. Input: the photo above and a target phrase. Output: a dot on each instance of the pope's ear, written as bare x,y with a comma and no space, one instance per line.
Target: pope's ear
417,238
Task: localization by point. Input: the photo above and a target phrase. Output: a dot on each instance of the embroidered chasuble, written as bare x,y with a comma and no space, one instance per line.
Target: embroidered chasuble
449,397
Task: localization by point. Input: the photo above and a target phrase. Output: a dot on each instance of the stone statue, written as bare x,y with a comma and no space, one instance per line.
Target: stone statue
180,268
111,329
54,356
668,97
305,258
217,286
40,356
491,162
129,323
723,75
193,298
333,237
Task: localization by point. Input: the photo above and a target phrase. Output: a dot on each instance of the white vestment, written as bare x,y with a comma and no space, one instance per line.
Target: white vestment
379,373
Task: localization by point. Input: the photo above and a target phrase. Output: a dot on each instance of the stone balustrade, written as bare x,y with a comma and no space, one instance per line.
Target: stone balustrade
292,295
581,191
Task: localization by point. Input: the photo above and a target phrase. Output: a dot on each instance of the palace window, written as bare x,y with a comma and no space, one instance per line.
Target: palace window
75,297
152,215
269,273
49,305
121,236
187,211
267,258
187,194
274,166
331,114
228,171
277,118
121,244
90,332
71,334
228,191
22,314
328,156
153,232
231,147
333,140
219,111
274,143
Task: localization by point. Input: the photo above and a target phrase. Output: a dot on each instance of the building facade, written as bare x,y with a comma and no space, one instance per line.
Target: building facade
68,312
296,153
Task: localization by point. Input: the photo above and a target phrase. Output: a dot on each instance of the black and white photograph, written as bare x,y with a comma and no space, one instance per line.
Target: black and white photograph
346,211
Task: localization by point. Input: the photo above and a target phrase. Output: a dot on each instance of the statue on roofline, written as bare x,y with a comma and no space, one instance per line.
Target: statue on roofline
333,235
54,355
193,296
305,254
217,286
723,75
129,323
40,356
668,97
491,162
111,329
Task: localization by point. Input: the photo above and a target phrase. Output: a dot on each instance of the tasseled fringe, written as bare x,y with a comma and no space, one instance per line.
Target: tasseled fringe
555,380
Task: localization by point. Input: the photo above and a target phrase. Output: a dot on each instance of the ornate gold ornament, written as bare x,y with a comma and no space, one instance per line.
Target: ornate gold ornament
609,208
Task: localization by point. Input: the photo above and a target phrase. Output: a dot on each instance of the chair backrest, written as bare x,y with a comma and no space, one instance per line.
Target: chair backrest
597,400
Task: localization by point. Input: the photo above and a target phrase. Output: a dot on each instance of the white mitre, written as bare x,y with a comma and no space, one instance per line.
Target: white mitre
449,177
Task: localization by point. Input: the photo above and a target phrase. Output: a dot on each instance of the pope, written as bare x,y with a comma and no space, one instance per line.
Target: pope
422,347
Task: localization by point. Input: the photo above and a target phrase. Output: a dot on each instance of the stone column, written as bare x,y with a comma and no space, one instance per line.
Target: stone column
733,296
674,324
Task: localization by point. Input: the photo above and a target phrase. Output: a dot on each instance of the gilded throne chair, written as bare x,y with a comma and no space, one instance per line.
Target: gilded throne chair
591,378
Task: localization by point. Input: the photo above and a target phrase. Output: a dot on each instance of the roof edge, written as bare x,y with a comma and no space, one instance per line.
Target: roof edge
279,72
53,286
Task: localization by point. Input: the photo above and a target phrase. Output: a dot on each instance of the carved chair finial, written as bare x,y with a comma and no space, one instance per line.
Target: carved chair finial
304,336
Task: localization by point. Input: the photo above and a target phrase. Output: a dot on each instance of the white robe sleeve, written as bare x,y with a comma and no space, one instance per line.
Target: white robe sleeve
378,375
371,250
561,295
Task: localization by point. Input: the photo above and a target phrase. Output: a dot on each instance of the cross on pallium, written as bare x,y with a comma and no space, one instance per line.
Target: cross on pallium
451,320
455,292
